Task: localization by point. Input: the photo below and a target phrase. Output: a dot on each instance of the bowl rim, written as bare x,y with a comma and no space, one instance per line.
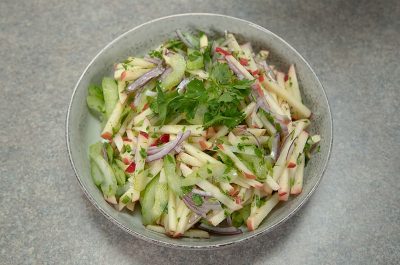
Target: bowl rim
179,244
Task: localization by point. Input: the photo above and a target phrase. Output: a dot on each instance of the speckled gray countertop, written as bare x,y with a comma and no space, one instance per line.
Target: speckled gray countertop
354,216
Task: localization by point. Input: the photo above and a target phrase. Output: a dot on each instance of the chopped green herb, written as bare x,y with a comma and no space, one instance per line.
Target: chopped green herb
143,153
186,189
128,148
197,199
291,182
258,152
155,54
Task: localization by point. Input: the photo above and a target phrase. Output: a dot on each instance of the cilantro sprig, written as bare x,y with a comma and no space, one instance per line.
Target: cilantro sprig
220,95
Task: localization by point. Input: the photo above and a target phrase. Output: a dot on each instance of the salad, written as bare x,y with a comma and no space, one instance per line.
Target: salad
204,135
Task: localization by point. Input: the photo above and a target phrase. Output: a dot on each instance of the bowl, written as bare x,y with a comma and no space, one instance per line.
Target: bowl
82,129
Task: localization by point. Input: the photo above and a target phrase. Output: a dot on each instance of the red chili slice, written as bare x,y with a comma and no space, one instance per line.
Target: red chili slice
145,135
244,61
164,138
131,168
222,51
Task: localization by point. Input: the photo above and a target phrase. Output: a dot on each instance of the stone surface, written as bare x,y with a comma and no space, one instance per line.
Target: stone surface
354,216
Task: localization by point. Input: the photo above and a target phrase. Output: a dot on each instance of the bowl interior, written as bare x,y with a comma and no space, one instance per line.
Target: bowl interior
83,129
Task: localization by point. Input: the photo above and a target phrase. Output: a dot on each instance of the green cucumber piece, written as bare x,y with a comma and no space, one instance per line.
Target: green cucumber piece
109,184
173,179
119,174
147,198
178,65
160,200
195,60
97,176
110,92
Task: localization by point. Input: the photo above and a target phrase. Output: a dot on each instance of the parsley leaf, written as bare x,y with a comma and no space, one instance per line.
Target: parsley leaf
143,153
197,199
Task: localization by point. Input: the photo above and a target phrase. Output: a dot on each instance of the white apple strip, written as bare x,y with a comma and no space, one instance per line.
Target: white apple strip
256,132
246,139
203,157
189,160
215,191
183,220
293,84
298,148
195,130
255,220
226,187
241,182
239,164
217,218
223,130
119,143
280,78
135,61
113,121
121,91
140,117
141,153
233,45
255,120
285,154
131,206
240,67
271,183
110,199
298,178
130,135
249,109
156,228
186,171
193,219
292,101
172,221
131,74
155,167
267,125
284,187
248,52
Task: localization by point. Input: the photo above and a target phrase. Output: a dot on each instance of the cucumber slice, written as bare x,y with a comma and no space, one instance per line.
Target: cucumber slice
195,60
110,91
178,65
147,198
174,180
109,183
160,200
119,174
96,174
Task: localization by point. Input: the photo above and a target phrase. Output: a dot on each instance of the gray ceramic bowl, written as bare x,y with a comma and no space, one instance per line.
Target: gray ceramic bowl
82,129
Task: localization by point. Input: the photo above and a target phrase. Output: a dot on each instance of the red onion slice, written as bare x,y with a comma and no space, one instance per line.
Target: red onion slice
192,206
163,151
141,81
231,230
182,85
183,39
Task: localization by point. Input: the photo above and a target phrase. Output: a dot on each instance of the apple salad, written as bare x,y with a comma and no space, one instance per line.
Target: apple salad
205,135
